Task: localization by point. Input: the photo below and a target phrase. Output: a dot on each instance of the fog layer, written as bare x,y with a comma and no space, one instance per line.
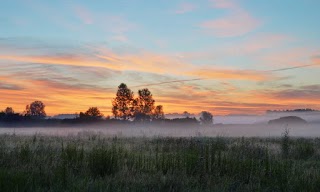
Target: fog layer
250,130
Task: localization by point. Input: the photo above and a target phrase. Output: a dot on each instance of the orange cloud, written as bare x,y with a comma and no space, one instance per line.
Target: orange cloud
218,98
316,60
68,95
222,100
144,62
61,60
307,96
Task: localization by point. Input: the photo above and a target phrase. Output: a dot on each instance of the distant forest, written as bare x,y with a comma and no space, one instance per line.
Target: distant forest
126,109
294,110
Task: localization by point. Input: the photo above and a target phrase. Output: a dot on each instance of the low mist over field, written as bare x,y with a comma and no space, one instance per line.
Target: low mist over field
248,130
228,126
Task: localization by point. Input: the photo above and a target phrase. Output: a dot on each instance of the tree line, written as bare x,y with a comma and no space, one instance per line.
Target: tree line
125,107
36,110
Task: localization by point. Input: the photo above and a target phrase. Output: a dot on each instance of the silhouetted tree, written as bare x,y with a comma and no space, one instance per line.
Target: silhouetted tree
143,106
35,110
206,118
182,122
82,115
9,111
158,112
122,104
93,112
2,115
8,115
186,114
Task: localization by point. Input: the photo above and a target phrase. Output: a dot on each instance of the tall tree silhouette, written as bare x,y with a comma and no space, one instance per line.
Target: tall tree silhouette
158,112
122,104
36,110
143,105
206,118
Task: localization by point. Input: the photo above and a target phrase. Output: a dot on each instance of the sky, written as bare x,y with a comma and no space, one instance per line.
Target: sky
222,56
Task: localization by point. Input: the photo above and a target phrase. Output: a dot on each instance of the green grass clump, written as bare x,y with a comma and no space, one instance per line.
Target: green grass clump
104,161
43,163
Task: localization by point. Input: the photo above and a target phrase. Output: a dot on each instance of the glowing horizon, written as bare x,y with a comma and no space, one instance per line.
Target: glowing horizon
226,57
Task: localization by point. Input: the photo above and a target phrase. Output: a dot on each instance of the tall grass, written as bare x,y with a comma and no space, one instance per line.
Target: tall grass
93,163
285,143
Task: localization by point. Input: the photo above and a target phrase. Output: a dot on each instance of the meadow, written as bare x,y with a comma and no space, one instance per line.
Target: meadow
91,162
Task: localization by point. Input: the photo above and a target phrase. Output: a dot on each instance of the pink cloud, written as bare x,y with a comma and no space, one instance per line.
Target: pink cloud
237,22
316,60
222,4
252,45
185,7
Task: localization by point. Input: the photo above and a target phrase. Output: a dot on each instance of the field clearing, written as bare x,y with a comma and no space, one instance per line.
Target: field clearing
93,162
228,130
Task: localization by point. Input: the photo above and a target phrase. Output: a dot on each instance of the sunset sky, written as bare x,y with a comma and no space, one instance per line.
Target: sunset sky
226,57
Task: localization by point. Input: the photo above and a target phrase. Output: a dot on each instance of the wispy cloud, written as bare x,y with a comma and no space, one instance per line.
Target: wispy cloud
73,60
215,101
9,86
140,61
303,95
249,46
223,4
237,22
96,71
145,62
185,8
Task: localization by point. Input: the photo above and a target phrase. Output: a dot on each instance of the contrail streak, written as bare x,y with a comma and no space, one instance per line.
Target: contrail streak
168,82
161,83
289,68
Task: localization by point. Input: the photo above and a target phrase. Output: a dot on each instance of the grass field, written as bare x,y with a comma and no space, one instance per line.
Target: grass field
93,163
